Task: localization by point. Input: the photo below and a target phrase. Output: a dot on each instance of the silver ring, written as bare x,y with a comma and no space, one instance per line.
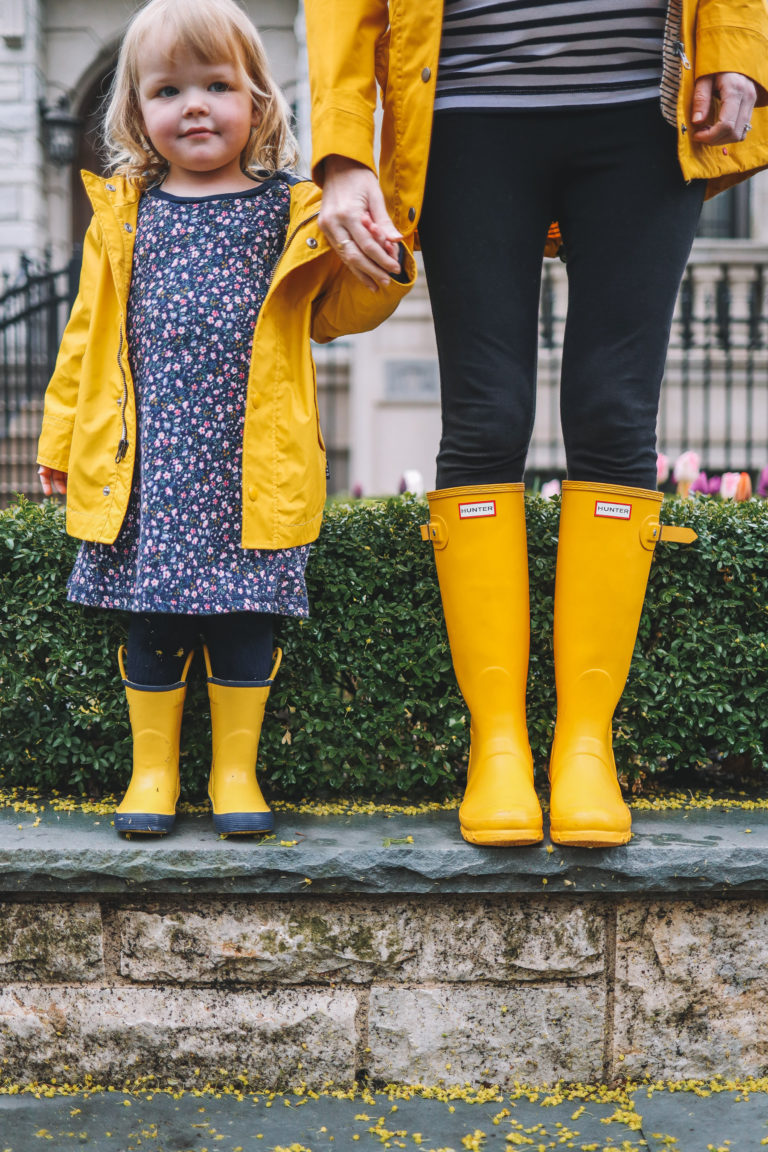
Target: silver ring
747,128
342,243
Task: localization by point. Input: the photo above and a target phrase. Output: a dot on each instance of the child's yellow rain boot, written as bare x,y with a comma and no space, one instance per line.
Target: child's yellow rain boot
149,805
481,555
237,713
607,539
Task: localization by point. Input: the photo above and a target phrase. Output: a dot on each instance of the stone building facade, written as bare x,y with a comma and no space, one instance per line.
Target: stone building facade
51,49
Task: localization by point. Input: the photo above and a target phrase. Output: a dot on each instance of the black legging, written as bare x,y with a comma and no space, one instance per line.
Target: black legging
610,176
239,644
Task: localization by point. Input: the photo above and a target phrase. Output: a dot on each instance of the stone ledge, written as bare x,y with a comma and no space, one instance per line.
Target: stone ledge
673,853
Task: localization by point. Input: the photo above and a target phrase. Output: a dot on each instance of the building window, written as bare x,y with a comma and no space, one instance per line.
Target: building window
726,217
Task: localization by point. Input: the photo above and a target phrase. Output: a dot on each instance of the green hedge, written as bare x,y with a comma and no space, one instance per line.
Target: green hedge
365,704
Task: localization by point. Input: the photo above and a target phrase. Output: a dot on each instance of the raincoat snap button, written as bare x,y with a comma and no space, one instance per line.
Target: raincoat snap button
255,400
253,492
128,227
311,242
426,73
110,188
106,490
411,214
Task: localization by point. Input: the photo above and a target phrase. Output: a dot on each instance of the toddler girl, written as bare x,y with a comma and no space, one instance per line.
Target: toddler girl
181,419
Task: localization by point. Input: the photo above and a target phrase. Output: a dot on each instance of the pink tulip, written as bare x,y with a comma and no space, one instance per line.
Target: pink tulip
662,468
762,484
701,484
729,482
550,489
686,470
714,485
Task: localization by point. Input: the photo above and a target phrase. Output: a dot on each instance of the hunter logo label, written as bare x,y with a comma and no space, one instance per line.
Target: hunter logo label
477,509
613,511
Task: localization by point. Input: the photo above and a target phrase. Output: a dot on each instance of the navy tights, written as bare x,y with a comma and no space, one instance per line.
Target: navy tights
610,176
239,644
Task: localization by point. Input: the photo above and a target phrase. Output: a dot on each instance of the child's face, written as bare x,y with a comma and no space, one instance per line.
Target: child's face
197,115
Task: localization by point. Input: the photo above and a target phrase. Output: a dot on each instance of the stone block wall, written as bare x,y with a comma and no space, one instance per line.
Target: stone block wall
426,989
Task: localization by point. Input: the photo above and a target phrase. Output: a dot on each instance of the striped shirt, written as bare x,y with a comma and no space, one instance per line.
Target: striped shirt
549,53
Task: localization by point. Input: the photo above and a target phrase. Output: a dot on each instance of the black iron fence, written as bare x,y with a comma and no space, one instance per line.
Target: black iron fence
33,310
715,393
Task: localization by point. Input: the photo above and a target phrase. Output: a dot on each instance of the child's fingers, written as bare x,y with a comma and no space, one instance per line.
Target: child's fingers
52,481
390,246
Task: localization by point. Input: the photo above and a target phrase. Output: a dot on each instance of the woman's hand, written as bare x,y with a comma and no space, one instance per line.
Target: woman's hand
354,219
52,481
737,95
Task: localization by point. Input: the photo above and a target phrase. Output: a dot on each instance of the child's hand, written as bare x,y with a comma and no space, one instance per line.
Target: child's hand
52,481
391,247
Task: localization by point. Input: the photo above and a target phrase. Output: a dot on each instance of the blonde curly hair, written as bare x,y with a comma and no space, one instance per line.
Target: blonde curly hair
213,30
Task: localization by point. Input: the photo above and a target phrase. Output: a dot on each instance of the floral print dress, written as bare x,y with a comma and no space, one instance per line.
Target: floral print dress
201,269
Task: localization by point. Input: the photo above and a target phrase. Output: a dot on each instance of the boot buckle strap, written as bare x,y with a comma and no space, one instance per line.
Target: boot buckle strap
677,534
653,533
436,532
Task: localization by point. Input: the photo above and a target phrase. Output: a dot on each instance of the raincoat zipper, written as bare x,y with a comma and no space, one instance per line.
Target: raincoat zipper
122,447
679,50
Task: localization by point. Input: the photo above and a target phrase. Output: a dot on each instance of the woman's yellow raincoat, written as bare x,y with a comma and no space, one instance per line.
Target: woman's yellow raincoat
89,425
352,46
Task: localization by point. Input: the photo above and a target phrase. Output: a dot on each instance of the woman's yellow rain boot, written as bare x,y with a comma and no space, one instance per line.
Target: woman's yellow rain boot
149,805
607,539
237,713
481,555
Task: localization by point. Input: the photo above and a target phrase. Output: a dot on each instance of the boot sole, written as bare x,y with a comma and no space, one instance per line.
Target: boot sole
590,839
243,823
504,838
151,822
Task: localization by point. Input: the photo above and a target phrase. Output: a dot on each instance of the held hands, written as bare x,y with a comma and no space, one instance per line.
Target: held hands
52,481
354,219
737,95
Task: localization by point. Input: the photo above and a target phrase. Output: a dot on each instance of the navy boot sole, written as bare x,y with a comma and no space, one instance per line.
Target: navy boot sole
233,823
143,822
